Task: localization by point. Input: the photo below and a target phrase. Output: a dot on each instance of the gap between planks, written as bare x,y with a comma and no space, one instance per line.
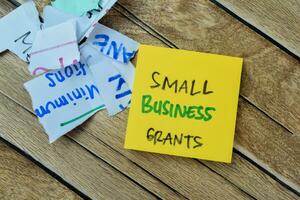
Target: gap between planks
48,171
266,32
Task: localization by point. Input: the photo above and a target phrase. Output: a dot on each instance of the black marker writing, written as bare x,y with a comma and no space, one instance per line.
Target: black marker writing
24,37
173,139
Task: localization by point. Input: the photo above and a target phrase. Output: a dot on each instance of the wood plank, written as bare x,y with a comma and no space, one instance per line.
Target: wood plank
67,159
110,138
265,143
270,78
22,179
277,19
268,144
251,179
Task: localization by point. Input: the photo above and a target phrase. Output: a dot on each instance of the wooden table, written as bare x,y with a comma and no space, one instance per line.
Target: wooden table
91,161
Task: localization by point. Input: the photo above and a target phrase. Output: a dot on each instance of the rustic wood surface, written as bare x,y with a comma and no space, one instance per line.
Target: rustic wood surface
278,19
94,177
270,85
22,179
92,159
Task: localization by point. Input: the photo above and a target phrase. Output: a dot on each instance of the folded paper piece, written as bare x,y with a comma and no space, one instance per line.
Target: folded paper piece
65,98
53,16
19,30
112,43
76,7
115,92
54,48
184,103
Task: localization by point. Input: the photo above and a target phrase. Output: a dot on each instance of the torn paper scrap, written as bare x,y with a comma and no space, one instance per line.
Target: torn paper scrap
105,6
76,7
53,16
126,70
96,15
54,48
65,98
19,29
115,92
113,43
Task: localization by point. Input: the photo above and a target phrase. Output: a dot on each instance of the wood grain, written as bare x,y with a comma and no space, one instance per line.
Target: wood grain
195,179
278,19
270,78
22,179
67,159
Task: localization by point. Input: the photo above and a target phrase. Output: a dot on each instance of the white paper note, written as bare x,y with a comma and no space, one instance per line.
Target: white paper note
53,16
112,43
54,48
115,92
63,99
19,30
126,70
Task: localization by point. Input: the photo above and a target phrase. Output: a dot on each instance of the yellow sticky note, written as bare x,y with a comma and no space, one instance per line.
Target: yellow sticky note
184,103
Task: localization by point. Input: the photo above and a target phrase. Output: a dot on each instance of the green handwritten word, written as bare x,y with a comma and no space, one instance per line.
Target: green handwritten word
167,108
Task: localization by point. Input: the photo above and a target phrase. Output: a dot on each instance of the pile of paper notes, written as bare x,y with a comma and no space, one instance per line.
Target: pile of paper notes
72,82
183,103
